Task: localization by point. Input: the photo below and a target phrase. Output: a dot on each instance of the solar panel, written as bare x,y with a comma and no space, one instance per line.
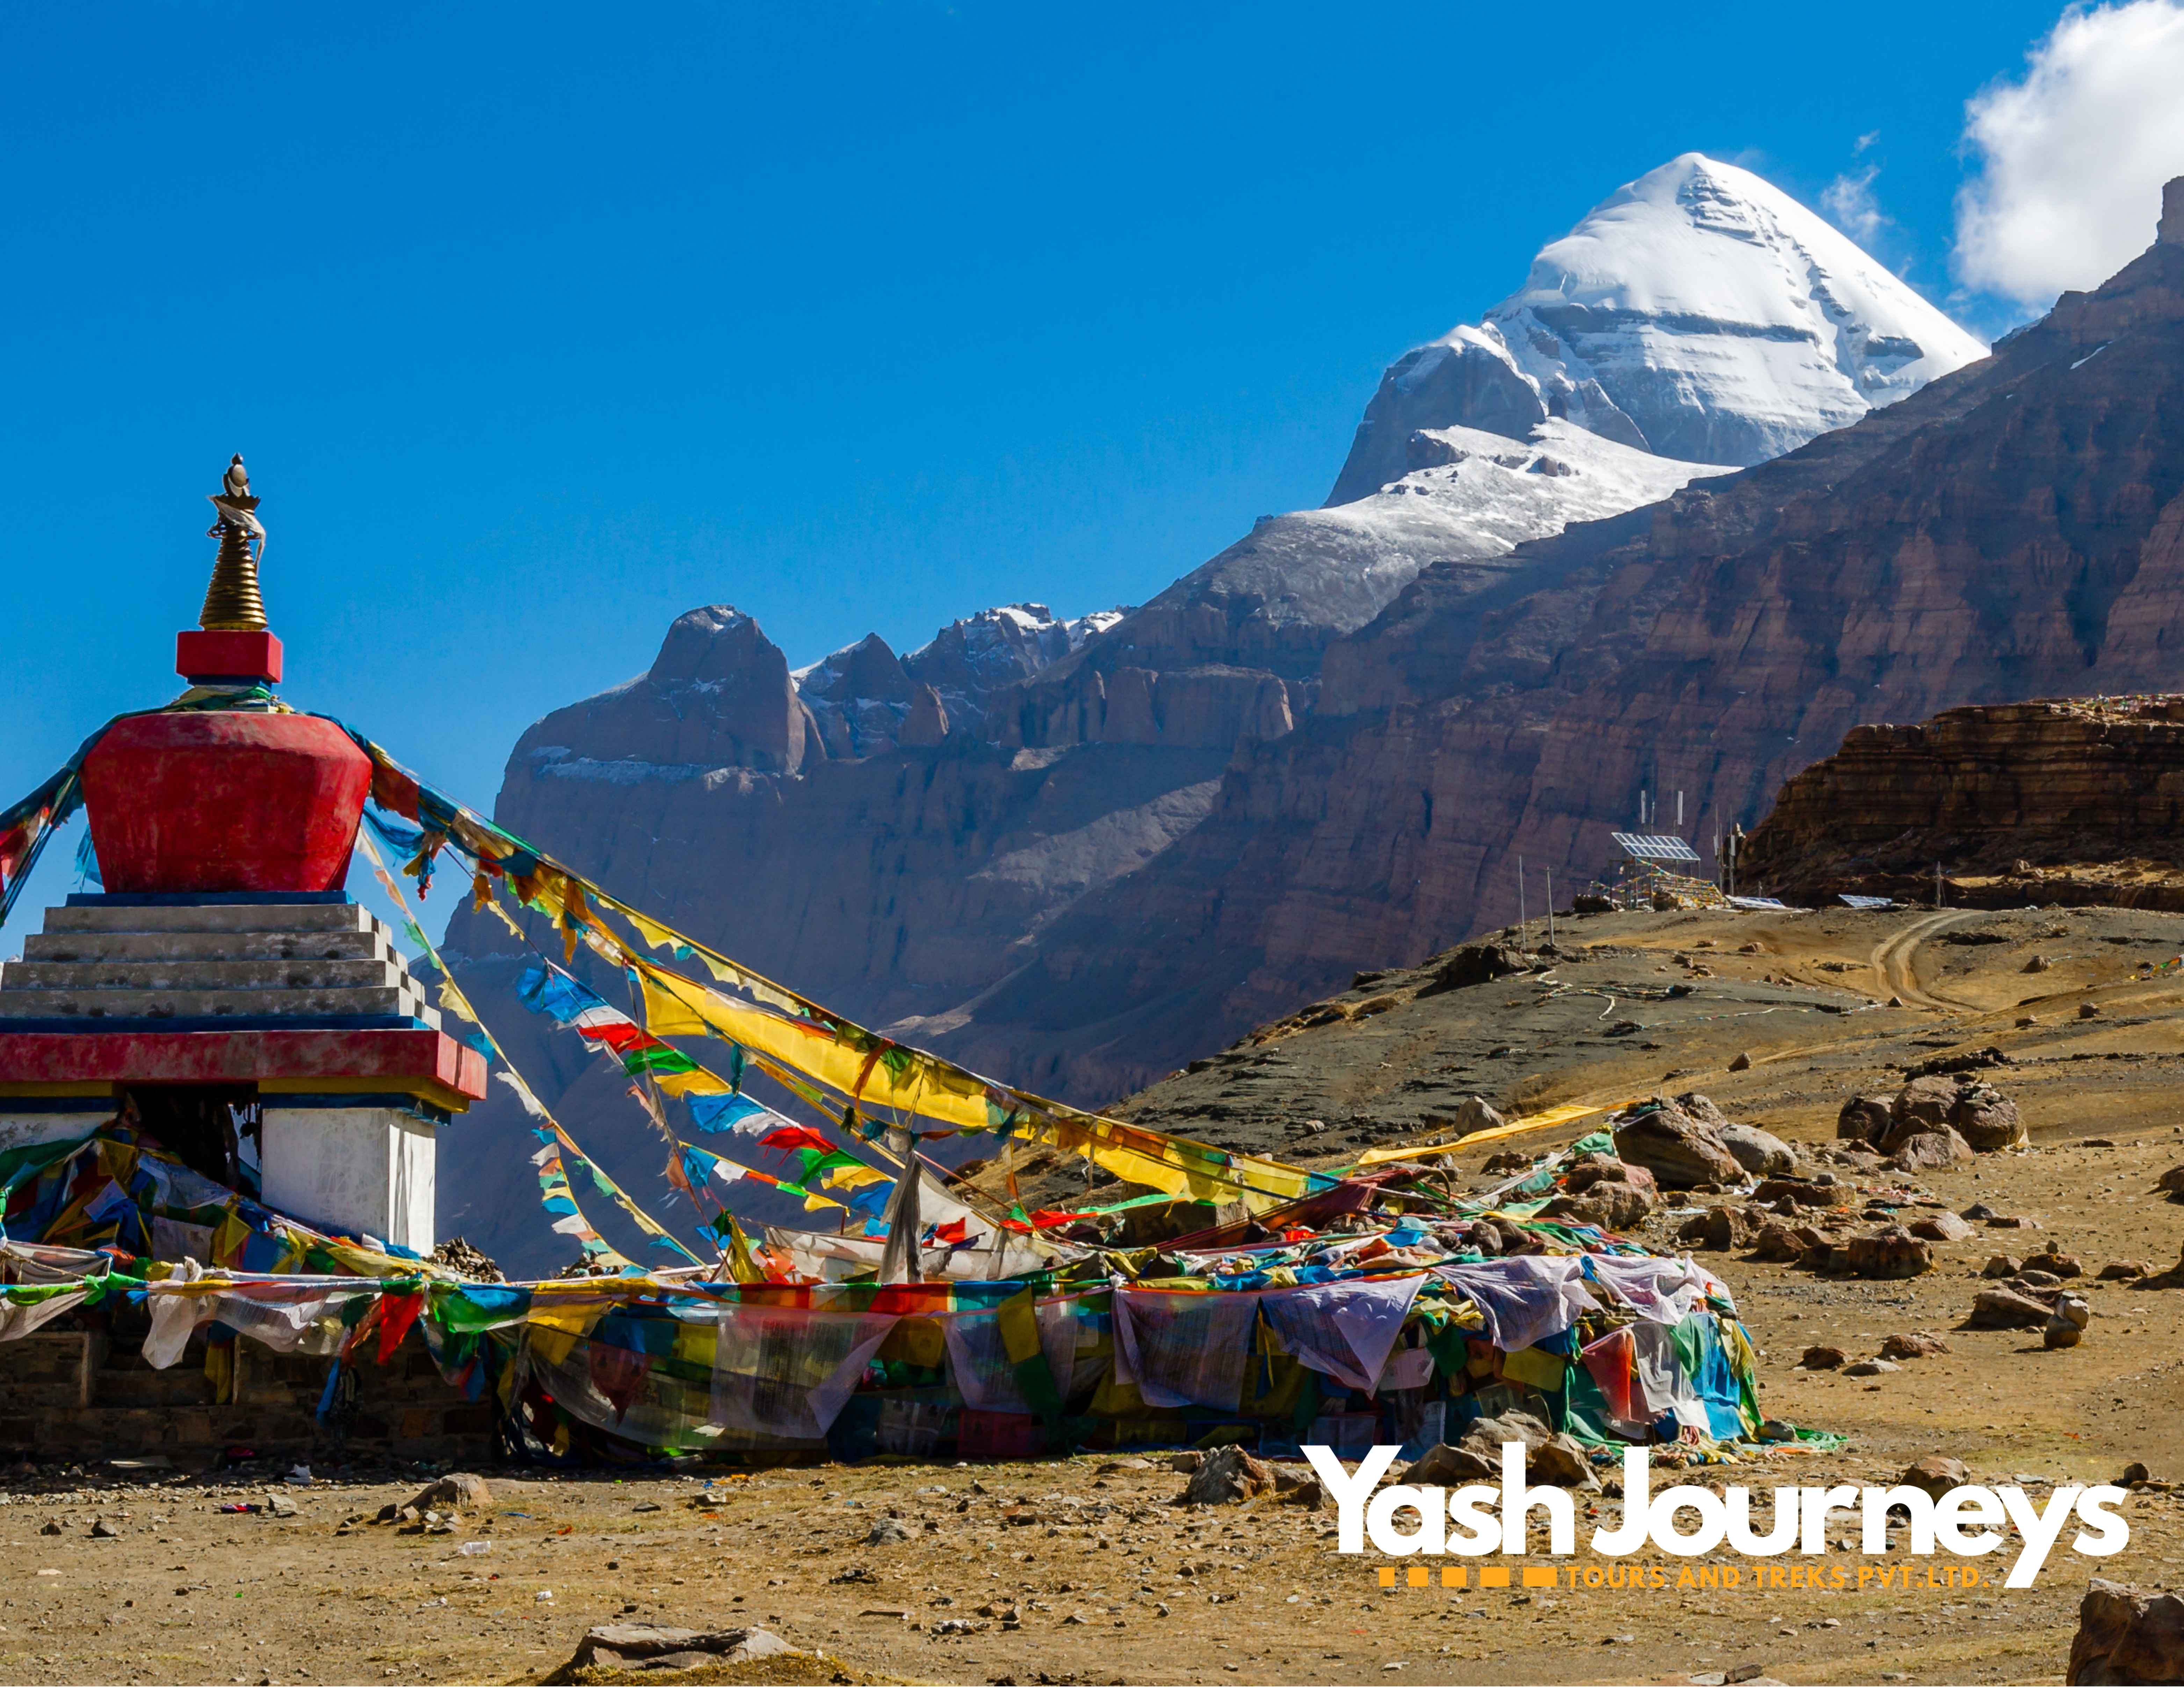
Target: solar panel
1849,901
1769,903
1654,847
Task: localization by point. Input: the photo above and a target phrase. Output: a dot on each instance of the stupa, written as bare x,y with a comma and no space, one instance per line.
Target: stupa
223,987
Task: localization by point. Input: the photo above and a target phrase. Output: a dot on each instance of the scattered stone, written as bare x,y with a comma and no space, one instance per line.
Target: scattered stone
1762,1153
1229,1477
2025,1021
1824,1358
1986,1119
2005,1309
1863,1118
2002,1265
2039,963
886,1532
2054,1264
1742,1062
1113,1465
1486,1435
621,1645
1307,1493
2126,1636
1917,1345
1930,1151
1679,1150
1925,1104
459,1491
1870,1367
103,1530
1999,1222
1560,1462
2134,1473
2171,1183
1447,1466
1936,1474
279,1505
51,1526
1895,1001
2089,1010
1182,1464
1891,1252
1777,1241
1940,1226
2121,1270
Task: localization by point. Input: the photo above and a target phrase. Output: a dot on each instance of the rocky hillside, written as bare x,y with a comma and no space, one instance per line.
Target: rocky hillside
2076,801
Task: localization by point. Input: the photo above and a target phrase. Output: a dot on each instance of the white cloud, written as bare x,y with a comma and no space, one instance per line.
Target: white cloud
2072,158
1850,204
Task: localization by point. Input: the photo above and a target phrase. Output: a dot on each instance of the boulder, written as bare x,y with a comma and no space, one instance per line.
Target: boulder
459,1491
2005,1309
1818,1193
1762,1153
1871,1367
2055,1264
1701,1106
1925,1104
1863,1118
1930,1151
1823,1358
1727,1227
1939,1227
1934,1475
1610,1203
2126,1637
1741,1062
2122,1271
1486,1435
2171,1183
1916,1346
1891,1252
2002,1265
1678,1150
621,1645
1777,1241
1229,1477
886,1532
1561,1462
1986,1119
1447,1466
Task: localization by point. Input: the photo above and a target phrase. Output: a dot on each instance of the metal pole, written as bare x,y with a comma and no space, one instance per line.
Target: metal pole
1679,810
1520,902
1938,884
1550,872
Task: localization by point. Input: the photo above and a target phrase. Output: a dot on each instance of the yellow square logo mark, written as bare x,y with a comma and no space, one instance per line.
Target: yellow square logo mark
1454,1578
1543,1576
1387,1576
1494,1576
1416,1578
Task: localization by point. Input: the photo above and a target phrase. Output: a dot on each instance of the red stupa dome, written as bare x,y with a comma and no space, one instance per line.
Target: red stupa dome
230,799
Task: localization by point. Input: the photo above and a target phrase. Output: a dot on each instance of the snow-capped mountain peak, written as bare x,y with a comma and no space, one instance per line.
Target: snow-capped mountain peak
1699,313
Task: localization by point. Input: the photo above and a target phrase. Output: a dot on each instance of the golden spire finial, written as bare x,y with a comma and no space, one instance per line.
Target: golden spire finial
231,602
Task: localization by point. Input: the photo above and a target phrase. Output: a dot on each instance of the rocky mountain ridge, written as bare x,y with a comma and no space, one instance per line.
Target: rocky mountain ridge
2072,801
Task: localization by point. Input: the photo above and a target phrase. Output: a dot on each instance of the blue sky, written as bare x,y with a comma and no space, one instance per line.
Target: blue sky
539,325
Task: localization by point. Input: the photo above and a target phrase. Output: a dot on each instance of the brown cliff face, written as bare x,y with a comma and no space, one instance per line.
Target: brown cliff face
2013,529
2076,801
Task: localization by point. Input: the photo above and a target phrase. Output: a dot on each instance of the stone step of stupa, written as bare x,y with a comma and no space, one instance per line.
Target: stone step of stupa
133,960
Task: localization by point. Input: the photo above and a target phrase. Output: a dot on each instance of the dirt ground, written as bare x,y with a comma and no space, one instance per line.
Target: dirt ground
1113,1582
